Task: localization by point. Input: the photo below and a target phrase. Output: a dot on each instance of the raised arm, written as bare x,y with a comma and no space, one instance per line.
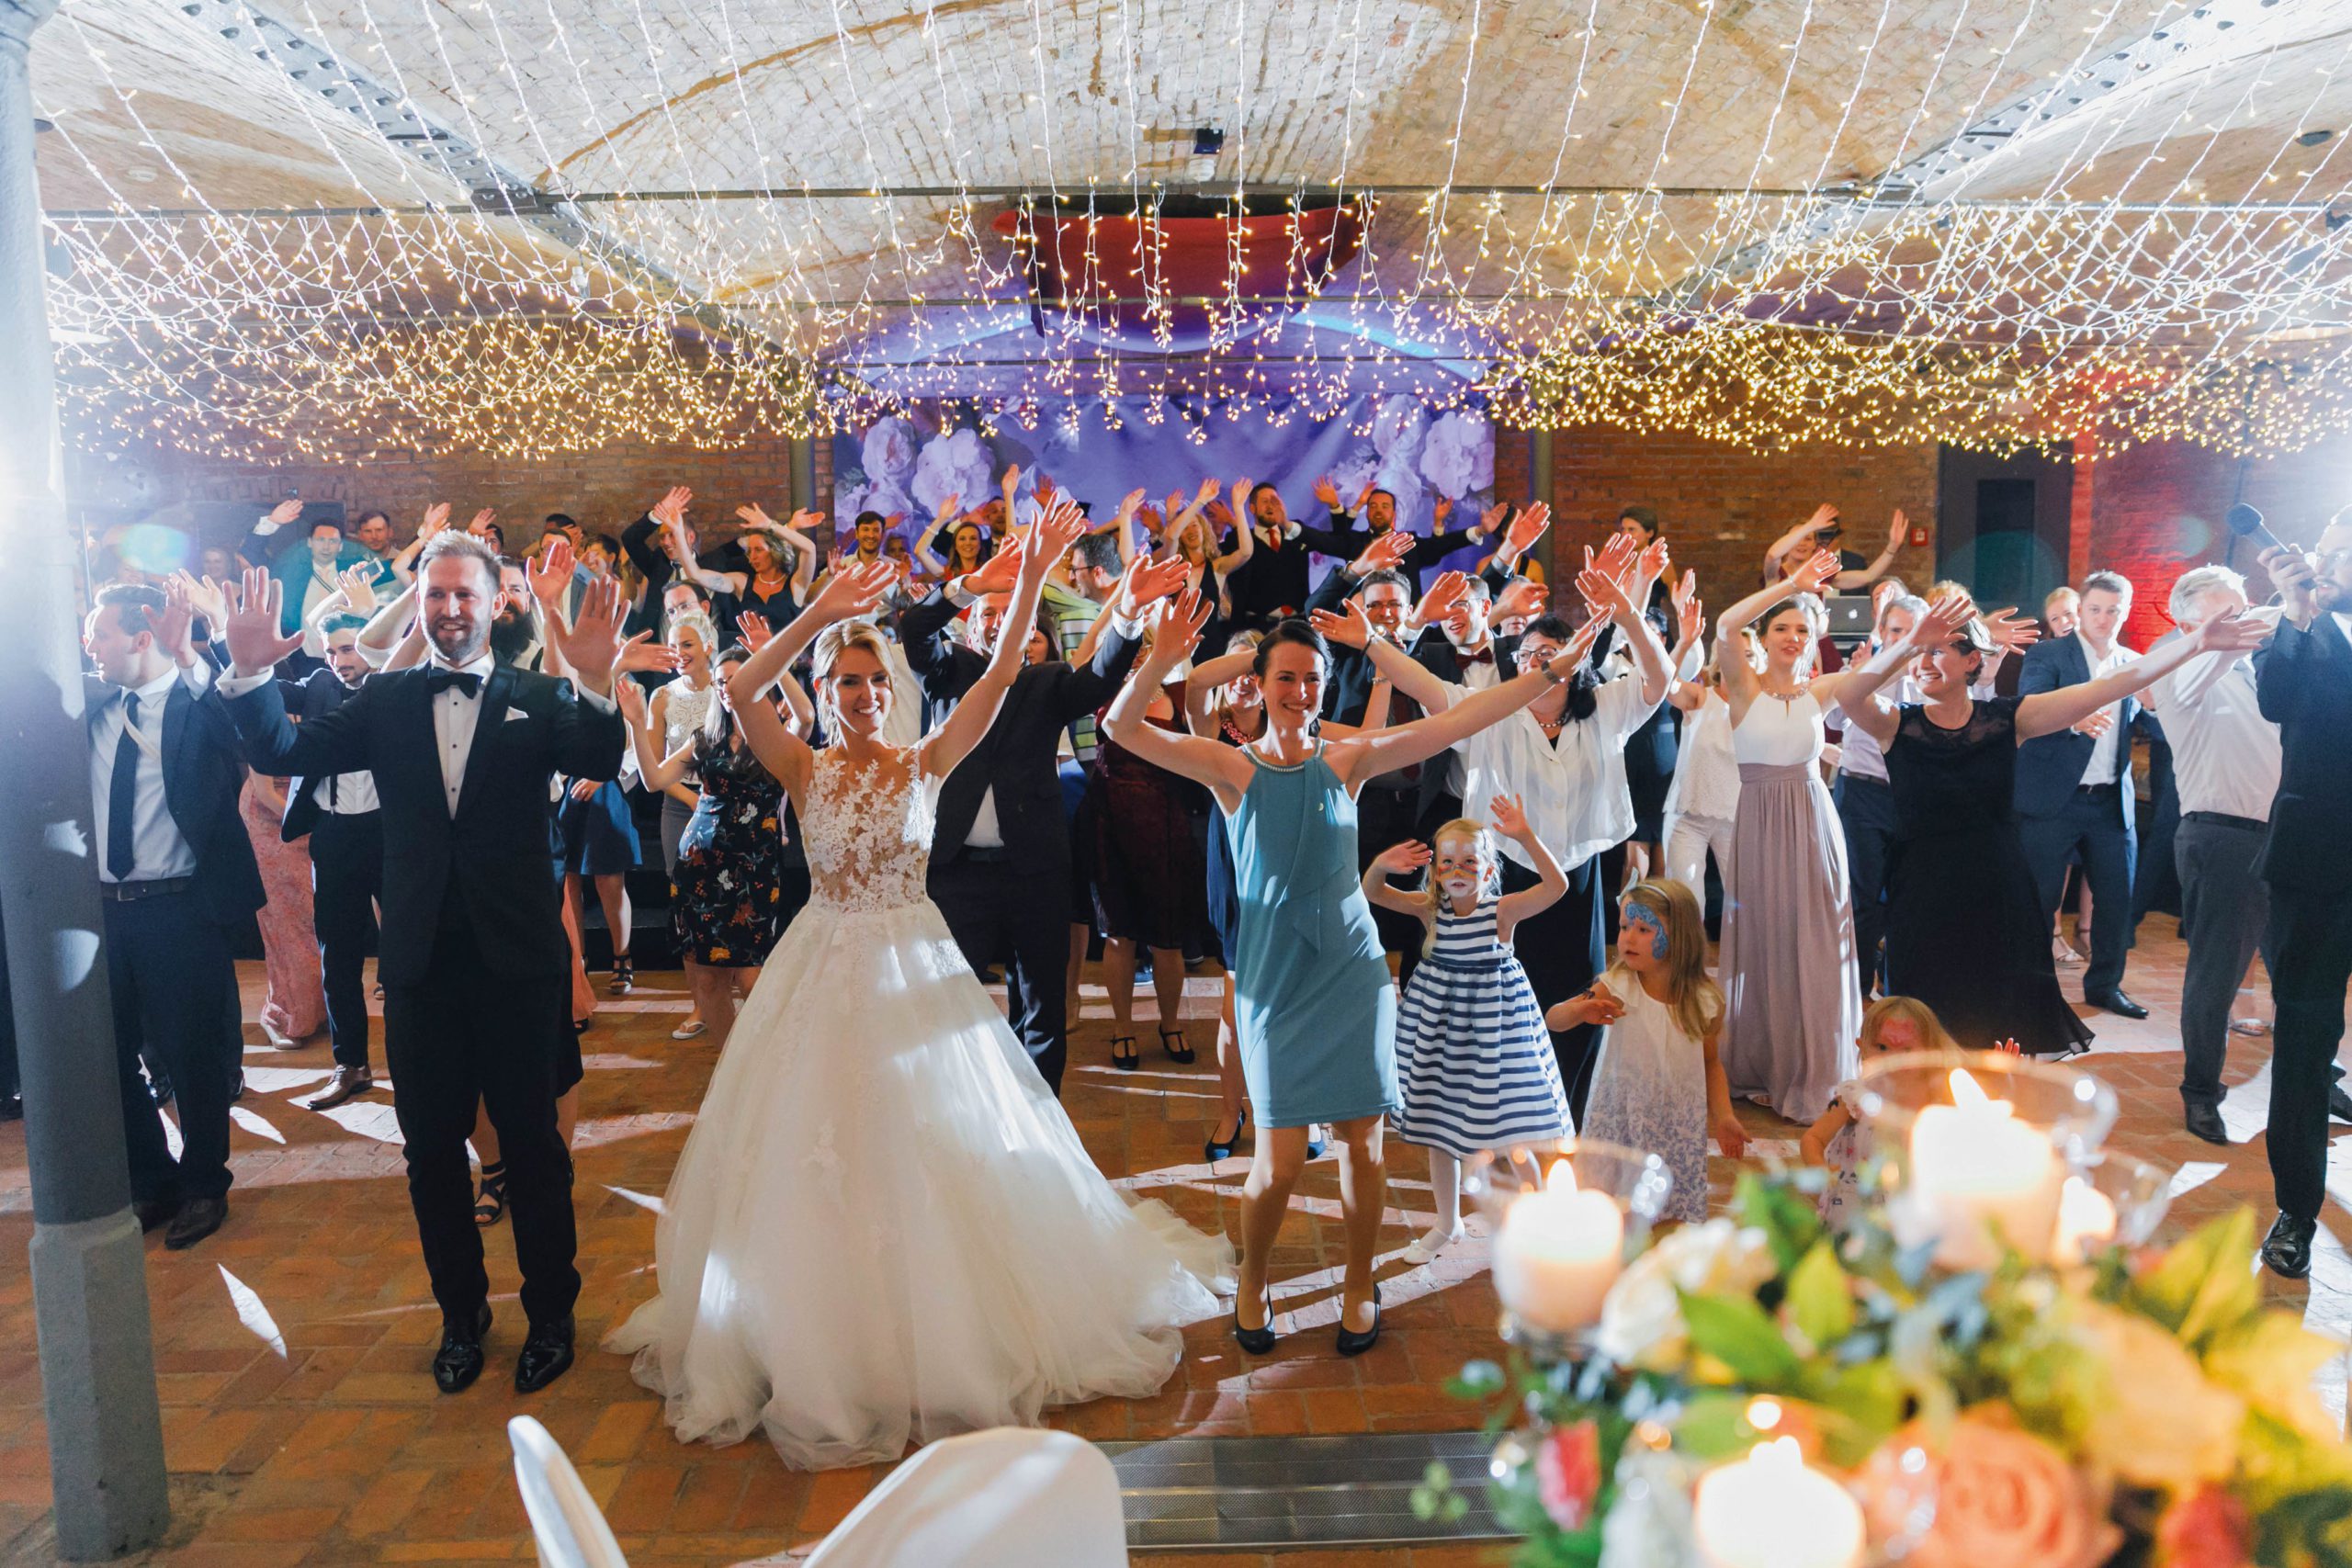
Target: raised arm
1551,881
922,550
1620,597
1176,629
852,589
1741,682
1850,581
1856,691
659,773
1396,860
670,512
1782,548
2046,713
1424,738
1349,627
961,730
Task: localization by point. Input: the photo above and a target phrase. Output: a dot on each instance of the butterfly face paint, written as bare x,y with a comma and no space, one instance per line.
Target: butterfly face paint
1656,923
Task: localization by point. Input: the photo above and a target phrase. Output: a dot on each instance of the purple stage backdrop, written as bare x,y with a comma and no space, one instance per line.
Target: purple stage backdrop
909,463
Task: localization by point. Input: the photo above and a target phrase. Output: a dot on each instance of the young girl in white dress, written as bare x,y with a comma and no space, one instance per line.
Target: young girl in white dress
1658,1085
1474,1068
883,1228
1838,1139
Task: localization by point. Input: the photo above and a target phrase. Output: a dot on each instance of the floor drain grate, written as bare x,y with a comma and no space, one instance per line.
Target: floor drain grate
1268,1493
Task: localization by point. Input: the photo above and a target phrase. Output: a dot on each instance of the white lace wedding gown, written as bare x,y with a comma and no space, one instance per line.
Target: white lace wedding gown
883,1227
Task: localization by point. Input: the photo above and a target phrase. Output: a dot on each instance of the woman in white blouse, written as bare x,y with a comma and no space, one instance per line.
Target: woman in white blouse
1563,756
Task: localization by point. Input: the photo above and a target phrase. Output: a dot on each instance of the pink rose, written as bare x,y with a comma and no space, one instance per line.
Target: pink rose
2207,1529
2001,1496
1568,1474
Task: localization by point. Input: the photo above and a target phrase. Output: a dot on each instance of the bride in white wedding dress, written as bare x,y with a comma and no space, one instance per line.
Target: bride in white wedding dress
883,1227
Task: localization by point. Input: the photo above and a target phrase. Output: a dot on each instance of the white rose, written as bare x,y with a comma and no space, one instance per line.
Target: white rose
1641,1319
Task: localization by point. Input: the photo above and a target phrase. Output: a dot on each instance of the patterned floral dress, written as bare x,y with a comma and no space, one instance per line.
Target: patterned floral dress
296,1007
727,894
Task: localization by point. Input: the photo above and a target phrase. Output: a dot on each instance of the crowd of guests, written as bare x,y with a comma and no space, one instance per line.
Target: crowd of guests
1319,753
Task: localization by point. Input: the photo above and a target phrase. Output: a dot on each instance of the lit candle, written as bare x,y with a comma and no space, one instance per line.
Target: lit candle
1980,1178
2086,1221
1558,1251
1771,1510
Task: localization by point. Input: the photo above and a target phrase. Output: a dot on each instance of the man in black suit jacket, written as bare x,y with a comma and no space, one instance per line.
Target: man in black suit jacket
475,962
2074,789
177,877
1378,507
2304,686
1001,865
347,829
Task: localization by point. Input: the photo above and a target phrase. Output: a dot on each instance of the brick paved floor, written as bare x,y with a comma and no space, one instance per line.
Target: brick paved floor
301,1426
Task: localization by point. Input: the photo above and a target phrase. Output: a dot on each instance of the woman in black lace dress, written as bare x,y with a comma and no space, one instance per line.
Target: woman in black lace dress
1964,928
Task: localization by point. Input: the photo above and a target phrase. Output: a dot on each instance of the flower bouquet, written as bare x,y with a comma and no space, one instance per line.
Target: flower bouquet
1760,1392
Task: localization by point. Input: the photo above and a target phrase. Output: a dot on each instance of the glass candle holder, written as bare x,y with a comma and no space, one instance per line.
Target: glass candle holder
1568,1216
2110,1198
1978,1145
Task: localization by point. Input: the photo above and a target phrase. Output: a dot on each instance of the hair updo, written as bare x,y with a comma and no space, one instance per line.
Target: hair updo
831,643
1295,633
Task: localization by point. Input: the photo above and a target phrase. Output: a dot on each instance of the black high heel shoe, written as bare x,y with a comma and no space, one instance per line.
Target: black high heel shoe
1355,1344
623,978
1181,1051
1218,1149
1130,1060
1258,1341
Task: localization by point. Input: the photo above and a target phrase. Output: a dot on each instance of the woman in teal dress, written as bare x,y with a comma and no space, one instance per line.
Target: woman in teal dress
1317,1013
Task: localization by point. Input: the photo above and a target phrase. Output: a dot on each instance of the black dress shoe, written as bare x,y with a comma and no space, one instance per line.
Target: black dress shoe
197,1218
154,1211
1355,1344
546,1356
2117,1001
2205,1122
2339,1104
2286,1250
1222,1148
346,1084
459,1361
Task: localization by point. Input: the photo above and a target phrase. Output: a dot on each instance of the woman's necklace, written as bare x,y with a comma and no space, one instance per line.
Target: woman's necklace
769,583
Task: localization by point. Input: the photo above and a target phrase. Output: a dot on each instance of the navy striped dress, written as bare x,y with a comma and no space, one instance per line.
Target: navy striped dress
1475,1066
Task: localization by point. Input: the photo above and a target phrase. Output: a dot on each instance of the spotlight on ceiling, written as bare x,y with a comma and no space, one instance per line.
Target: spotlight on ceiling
2313,138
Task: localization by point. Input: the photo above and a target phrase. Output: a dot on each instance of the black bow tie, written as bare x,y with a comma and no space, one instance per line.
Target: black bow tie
437,681
1483,656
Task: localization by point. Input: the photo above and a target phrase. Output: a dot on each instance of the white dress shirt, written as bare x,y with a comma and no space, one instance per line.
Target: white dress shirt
1575,792
2225,754
346,795
2344,624
2110,752
158,848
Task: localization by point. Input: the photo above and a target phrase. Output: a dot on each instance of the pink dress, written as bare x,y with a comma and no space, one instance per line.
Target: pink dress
296,1007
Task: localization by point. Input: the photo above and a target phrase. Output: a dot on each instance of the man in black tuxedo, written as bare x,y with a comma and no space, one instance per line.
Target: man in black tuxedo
475,962
1378,507
1000,853
2073,788
2304,686
347,829
177,877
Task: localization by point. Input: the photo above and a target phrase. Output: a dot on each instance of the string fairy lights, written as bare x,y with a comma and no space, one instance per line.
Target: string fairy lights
722,291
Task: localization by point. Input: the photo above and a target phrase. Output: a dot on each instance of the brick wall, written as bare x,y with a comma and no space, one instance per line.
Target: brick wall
1719,506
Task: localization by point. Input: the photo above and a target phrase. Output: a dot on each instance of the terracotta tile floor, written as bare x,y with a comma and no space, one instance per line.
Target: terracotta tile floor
301,1426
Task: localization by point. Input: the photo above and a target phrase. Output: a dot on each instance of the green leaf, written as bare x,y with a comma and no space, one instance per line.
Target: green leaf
1788,1219
1819,1300
1740,1334
2206,1281
1477,1380
1857,1406
1714,1425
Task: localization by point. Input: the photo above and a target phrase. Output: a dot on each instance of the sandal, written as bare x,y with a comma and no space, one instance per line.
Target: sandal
689,1029
1130,1060
624,979
1180,1052
491,1207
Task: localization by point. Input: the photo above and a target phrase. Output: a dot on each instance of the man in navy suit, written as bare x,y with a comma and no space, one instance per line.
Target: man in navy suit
2304,686
475,962
347,829
2073,788
176,876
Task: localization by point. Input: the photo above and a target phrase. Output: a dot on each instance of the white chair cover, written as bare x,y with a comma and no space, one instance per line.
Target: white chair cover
565,1521
1006,1498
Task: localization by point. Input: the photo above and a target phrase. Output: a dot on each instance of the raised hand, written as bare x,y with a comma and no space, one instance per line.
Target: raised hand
671,507
1898,530
1176,626
1617,554
1509,816
1148,580
1815,575
481,520
285,512
640,654
1526,528
1242,488
1347,626
856,589
752,630
250,626
1690,614
1522,596
592,642
1444,596
1943,621
754,517
2008,631
552,574
1207,492
631,696
806,521
1566,663
1384,554
1602,590
1649,566
1062,525
1402,860
1328,493
1442,510
999,572
436,517
204,596
1012,483
1364,497
1129,504
2232,633
173,626
946,507
358,585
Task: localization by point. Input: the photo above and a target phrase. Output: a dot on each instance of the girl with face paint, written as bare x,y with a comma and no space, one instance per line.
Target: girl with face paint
1657,1084
1474,1068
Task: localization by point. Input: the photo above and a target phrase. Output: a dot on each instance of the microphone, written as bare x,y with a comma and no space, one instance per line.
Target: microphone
2246,523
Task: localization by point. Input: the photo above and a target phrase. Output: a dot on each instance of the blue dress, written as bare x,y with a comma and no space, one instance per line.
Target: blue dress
1475,1058
1316,1009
